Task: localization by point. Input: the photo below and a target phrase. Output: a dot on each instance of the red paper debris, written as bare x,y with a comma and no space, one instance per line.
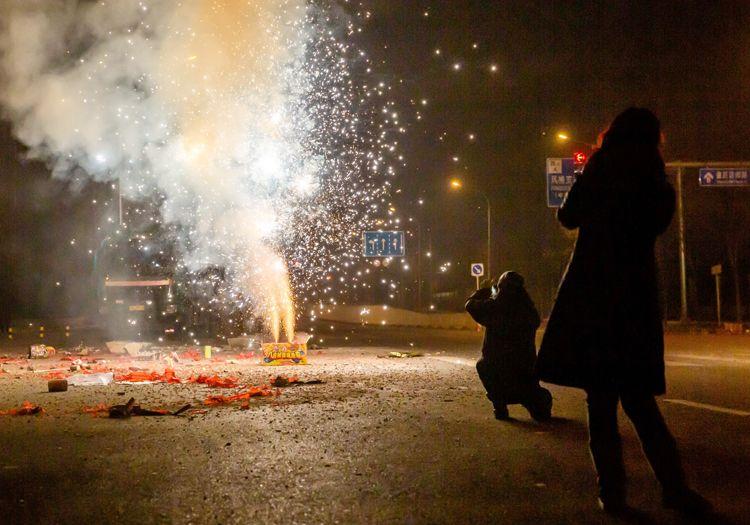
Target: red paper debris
282,381
96,410
214,381
12,360
155,377
253,391
58,374
26,409
191,355
248,355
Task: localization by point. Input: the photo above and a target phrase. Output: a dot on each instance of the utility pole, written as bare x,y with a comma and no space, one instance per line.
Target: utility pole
681,236
119,201
419,265
489,235
716,272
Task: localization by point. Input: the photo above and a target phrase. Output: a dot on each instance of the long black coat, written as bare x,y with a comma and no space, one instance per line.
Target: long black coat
605,329
511,320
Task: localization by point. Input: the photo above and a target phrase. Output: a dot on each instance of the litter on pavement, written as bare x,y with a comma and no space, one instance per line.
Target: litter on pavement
401,355
97,379
26,409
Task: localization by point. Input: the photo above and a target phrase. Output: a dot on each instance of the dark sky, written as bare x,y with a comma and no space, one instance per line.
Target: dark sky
568,65
559,65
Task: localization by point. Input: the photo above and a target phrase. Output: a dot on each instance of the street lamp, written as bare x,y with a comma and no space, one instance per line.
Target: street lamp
564,137
456,184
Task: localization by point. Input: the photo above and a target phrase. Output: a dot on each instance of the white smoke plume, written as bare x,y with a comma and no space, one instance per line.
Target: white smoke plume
206,103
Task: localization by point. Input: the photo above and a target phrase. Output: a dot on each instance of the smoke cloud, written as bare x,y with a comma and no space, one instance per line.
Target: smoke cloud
214,105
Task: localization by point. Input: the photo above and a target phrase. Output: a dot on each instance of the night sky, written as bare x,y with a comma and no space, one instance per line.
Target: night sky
508,76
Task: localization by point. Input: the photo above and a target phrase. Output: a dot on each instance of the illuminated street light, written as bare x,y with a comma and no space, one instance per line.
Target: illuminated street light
564,137
457,184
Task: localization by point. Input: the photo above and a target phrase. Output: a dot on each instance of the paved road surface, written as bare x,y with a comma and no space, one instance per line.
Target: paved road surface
382,441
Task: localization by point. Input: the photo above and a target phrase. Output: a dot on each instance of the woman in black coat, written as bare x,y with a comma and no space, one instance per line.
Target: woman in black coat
605,332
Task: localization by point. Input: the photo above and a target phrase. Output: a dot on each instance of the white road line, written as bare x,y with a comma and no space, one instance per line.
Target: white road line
461,361
705,406
683,363
712,358
455,360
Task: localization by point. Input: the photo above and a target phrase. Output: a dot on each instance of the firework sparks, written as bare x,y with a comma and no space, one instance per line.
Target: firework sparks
242,118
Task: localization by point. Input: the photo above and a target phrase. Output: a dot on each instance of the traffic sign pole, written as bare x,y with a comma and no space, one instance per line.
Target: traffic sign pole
680,165
476,270
681,242
716,272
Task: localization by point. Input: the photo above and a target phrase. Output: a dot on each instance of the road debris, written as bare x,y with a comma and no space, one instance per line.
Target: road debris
401,355
26,409
253,391
95,379
57,385
130,409
281,381
139,376
215,381
41,352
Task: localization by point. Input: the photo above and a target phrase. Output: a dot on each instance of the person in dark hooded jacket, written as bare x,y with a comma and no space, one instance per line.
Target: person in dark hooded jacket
509,350
605,334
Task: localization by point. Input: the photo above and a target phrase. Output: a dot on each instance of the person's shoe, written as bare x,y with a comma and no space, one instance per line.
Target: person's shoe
541,407
501,413
686,501
615,506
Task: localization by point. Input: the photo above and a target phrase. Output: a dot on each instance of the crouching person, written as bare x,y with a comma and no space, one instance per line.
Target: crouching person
506,368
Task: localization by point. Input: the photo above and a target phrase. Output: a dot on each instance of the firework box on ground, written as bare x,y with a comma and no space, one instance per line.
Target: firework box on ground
41,352
275,354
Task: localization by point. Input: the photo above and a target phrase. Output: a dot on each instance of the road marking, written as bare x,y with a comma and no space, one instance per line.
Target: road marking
683,363
714,358
456,360
705,406
461,361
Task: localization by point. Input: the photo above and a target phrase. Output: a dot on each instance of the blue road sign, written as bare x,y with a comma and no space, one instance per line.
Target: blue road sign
560,178
384,244
724,176
477,269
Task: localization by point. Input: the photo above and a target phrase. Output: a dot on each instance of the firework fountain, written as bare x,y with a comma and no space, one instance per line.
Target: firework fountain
241,116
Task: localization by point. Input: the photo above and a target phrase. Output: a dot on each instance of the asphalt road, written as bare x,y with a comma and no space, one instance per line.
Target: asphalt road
381,441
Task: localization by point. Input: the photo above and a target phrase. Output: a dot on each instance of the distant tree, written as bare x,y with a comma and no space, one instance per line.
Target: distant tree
737,241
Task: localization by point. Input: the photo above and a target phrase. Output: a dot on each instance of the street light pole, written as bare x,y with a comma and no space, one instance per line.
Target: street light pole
681,238
457,184
489,235
419,265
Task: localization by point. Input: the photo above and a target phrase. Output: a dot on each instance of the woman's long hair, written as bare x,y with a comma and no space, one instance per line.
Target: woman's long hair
632,142
634,126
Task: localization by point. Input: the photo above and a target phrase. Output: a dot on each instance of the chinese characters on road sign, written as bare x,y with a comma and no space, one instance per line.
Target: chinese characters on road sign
560,178
724,177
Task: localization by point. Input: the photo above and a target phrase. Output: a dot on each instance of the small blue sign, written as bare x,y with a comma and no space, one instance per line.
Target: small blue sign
560,178
384,244
477,270
724,176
